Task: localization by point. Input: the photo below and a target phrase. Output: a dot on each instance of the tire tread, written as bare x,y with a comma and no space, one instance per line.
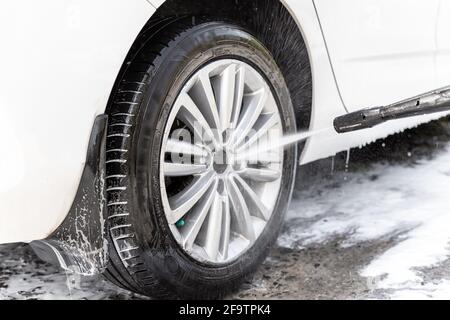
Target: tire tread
127,271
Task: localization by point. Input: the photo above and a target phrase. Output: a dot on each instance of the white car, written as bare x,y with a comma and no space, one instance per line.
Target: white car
98,101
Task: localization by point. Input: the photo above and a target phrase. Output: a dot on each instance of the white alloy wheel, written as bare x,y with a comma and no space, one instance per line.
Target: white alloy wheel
216,201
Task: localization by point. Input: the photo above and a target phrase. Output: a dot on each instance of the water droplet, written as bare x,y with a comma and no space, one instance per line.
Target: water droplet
332,165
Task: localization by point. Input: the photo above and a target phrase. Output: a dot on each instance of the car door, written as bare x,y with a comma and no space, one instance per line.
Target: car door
381,51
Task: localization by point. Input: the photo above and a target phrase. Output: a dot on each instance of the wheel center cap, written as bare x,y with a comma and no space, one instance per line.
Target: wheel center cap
220,161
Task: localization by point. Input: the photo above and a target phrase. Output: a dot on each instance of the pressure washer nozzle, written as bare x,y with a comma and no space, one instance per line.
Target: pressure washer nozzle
363,119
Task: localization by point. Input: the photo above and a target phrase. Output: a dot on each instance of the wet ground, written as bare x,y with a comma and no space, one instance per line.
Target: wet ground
376,227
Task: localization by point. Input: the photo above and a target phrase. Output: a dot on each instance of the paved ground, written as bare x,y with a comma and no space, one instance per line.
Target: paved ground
375,228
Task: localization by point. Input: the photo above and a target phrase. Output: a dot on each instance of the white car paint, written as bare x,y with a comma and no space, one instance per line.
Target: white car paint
443,43
59,61
62,58
381,51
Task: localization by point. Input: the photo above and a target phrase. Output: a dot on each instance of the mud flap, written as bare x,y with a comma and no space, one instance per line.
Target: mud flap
79,244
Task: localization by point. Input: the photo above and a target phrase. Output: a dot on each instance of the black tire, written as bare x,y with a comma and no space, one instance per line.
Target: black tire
144,256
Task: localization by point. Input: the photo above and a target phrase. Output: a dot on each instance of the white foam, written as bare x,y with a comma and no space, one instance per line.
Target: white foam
412,202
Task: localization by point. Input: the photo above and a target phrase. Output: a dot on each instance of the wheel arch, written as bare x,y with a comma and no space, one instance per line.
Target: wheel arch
271,22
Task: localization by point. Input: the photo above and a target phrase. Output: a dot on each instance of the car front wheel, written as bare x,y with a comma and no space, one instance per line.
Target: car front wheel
195,198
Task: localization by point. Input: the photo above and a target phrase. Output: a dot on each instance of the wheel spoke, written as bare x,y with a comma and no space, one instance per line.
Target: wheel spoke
239,95
255,199
182,202
252,107
260,174
226,222
262,126
214,227
203,96
197,217
190,114
240,211
225,85
183,169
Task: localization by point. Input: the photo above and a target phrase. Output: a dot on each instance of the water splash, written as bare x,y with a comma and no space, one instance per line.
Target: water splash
332,165
277,144
347,164
70,282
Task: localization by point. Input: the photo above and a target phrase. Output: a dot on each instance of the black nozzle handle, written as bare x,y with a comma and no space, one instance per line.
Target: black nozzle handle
358,120
427,103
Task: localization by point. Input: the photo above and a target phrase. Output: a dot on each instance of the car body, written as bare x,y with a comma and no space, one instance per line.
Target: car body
60,60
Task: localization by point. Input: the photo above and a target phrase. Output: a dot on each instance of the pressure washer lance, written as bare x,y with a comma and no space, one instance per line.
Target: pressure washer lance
430,102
